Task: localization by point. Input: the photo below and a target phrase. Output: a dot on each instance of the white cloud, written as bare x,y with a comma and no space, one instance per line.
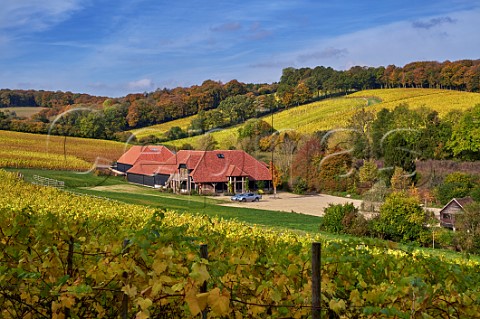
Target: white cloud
34,15
143,84
452,38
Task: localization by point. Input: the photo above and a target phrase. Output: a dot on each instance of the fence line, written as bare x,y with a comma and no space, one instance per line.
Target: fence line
45,181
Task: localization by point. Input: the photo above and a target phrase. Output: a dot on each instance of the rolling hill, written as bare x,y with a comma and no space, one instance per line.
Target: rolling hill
56,152
335,112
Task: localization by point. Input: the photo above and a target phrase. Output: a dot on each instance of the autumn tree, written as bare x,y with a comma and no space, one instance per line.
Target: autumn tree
336,172
250,134
285,146
400,180
307,161
276,177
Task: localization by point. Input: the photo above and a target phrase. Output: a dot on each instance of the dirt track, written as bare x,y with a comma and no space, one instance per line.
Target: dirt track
305,204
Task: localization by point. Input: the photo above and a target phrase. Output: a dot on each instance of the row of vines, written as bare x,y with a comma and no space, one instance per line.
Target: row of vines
25,150
63,256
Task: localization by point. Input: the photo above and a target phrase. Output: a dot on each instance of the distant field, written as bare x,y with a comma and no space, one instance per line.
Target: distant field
306,118
159,130
443,101
24,111
55,152
334,113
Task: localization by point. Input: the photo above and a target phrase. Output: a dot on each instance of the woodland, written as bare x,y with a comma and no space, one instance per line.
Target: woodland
219,104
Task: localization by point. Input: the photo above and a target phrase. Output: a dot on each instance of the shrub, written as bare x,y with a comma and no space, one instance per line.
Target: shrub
401,218
299,186
333,219
475,194
444,238
355,224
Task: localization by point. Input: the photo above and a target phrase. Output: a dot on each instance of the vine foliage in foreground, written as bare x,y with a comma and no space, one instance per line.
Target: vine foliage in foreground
67,256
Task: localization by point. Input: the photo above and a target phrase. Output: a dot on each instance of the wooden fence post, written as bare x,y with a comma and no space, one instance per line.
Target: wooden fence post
124,311
71,243
203,288
316,280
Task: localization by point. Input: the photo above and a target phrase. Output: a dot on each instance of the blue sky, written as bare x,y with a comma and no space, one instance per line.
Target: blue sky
116,47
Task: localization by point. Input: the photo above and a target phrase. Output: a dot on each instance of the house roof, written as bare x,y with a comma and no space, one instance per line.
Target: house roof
205,166
148,153
147,168
462,202
218,165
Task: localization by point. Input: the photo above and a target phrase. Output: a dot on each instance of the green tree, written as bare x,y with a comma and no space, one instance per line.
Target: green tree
175,133
92,125
455,185
468,228
198,123
465,140
115,118
368,173
214,119
401,218
434,137
238,108
360,137
207,143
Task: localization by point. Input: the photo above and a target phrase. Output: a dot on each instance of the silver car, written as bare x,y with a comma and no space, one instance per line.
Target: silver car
246,197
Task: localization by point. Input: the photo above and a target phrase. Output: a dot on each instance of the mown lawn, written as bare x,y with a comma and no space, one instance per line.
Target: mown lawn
194,204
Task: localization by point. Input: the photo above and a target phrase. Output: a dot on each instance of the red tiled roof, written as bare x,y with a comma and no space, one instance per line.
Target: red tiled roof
206,166
218,165
188,157
148,168
149,153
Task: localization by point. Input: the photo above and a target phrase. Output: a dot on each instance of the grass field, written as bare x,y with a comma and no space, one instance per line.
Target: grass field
24,111
133,194
334,113
55,152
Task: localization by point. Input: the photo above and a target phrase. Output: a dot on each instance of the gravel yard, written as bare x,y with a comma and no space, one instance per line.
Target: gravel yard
304,204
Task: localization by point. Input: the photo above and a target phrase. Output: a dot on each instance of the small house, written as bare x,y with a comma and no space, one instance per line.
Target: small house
449,211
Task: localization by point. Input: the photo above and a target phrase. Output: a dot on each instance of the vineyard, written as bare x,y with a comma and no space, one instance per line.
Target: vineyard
159,130
442,101
65,256
55,152
334,113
